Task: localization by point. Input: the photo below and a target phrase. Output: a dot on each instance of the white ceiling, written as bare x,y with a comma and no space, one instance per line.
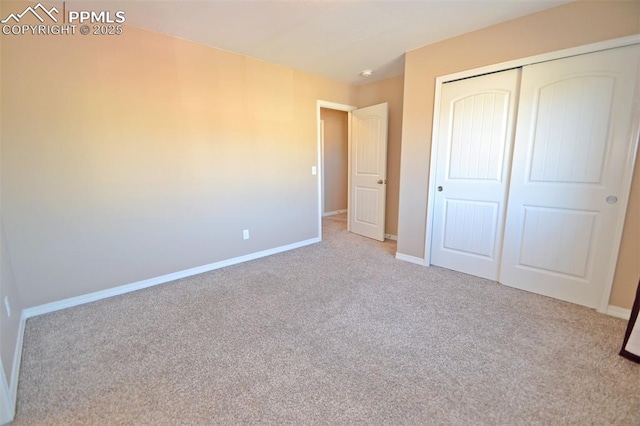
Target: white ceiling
335,39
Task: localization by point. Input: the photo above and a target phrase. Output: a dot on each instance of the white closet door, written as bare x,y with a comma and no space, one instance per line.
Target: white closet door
473,158
573,154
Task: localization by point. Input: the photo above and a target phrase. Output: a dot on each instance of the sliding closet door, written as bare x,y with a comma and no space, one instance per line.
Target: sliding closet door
574,147
473,157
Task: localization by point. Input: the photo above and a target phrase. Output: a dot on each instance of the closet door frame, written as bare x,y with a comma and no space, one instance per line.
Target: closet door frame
628,174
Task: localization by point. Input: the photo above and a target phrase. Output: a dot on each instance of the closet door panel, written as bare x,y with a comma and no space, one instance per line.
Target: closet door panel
473,156
572,156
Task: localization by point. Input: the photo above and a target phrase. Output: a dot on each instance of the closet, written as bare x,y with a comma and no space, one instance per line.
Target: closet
532,173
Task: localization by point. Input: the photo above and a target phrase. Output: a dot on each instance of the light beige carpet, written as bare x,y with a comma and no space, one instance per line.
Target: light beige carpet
334,333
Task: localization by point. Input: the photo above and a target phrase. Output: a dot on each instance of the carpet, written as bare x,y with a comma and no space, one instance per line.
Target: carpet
334,333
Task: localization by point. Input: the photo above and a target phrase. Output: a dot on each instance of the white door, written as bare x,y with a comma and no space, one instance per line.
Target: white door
569,187
472,171
368,180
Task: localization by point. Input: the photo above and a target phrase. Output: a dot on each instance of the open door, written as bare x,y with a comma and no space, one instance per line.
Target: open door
368,175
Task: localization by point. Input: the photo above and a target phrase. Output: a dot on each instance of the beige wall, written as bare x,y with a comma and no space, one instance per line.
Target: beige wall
390,91
126,158
628,269
8,325
336,149
8,288
566,26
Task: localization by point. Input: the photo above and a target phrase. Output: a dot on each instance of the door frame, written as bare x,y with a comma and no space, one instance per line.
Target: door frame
320,176
503,66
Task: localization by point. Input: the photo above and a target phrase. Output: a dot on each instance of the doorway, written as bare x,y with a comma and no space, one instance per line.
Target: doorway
367,139
330,106
335,161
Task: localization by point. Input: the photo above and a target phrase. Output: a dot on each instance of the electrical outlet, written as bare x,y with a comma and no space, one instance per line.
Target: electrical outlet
7,308
245,234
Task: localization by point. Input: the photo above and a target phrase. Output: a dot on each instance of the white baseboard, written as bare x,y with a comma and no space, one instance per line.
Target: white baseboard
9,388
17,357
616,311
7,409
410,259
127,288
11,393
334,212
391,237
8,393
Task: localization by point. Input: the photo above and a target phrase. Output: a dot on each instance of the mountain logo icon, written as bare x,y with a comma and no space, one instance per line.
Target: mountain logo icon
34,11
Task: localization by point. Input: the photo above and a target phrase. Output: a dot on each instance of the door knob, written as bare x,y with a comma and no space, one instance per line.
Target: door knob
439,189
612,199
380,182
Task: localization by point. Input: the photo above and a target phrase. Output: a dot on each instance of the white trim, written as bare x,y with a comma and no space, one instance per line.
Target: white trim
340,107
410,259
336,106
17,358
7,410
333,213
627,180
517,63
391,237
432,174
349,130
12,392
322,163
9,389
115,291
618,312
545,57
